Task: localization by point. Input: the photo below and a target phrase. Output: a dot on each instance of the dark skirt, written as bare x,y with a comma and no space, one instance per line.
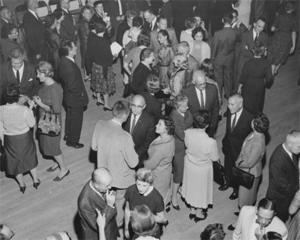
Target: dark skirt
178,162
20,152
103,81
50,146
279,49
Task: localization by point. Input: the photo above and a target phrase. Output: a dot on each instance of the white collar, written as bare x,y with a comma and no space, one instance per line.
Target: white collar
5,20
116,121
70,58
95,190
33,13
149,191
287,151
153,22
65,10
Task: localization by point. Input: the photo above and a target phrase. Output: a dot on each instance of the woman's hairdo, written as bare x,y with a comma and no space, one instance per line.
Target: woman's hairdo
46,68
261,123
169,123
144,175
213,232
12,93
201,119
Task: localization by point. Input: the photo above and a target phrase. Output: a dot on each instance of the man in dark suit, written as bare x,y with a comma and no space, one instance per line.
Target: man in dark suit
284,174
5,18
21,73
67,27
223,46
75,96
249,39
34,32
150,21
95,196
142,71
141,126
203,95
238,126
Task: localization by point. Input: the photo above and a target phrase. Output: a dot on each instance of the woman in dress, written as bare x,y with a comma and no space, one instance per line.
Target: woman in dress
283,41
183,120
197,183
19,147
161,152
186,35
49,99
255,78
250,158
165,57
100,60
143,192
201,49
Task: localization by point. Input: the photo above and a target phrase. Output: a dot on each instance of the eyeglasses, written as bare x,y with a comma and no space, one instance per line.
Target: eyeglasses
137,106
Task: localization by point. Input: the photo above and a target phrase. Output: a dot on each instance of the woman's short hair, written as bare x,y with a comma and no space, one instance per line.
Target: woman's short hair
201,119
179,99
144,175
266,203
12,93
207,67
272,236
142,221
145,53
259,49
169,123
190,22
99,26
213,232
143,40
261,123
196,30
46,68
165,34
137,21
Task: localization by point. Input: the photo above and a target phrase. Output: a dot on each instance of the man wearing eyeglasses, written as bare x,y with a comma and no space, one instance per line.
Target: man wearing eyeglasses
254,222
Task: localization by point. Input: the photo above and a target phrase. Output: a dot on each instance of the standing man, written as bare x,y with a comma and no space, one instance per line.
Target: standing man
67,26
96,196
34,32
203,96
223,46
75,95
141,126
150,21
5,18
238,126
254,222
284,174
115,151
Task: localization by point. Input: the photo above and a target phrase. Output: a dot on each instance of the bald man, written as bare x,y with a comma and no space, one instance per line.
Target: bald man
203,96
96,194
238,127
284,174
141,126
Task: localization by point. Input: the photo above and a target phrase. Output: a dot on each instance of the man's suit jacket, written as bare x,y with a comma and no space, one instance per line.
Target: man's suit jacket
88,202
3,24
246,225
283,180
34,35
153,106
143,133
29,85
75,94
115,151
154,44
211,104
139,78
67,27
223,46
233,140
147,28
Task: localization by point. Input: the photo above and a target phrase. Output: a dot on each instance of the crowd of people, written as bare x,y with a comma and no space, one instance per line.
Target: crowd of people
182,63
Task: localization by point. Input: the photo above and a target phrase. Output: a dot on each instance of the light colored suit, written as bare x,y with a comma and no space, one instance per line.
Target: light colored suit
246,225
115,151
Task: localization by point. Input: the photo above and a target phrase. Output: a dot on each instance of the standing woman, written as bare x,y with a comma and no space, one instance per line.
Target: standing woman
183,120
201,151
49,99
250,158
19,146
201,49
283,41
100,61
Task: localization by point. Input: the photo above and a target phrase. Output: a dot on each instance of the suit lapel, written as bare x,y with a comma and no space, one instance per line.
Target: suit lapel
238,123
12,75
25,73
195,97
138,123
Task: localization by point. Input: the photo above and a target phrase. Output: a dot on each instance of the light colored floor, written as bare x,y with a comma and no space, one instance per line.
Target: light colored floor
52,208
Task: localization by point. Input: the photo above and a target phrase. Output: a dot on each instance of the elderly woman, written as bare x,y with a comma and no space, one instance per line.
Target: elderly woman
250,158
49,99
143,192
200,49
201,151
161,152
183,120
19,146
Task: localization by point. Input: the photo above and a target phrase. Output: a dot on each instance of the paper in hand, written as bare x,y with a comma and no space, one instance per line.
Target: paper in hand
115,48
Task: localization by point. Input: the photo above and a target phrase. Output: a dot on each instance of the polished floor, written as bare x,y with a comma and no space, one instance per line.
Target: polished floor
52,207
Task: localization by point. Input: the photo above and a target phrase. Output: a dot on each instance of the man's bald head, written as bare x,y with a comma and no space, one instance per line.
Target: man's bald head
235,103
32,4
101,179
292,141
199,79
138,104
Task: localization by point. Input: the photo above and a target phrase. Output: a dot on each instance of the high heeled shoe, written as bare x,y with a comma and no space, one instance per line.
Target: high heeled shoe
197,219
37,184
192,216
176,207
22,189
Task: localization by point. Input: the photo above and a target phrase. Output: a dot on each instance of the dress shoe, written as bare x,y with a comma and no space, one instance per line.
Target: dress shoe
197,219
23,189
230,227
234,195
99,103
176,207
236,213
52,168
192,216
58,179
107,109
75,145
223,187
37,184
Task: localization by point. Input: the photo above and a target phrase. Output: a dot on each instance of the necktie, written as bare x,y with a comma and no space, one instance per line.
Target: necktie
18,76
202,99
295,159
233,122
133,123
256,37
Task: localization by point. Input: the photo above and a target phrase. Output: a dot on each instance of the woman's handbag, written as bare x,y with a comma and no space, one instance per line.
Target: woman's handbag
49,124
242,177
219,174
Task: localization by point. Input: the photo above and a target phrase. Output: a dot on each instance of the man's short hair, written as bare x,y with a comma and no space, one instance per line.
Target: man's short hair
97,3
145,53
227,18
120,108
261,18
266,203
66,46
149,10
16,52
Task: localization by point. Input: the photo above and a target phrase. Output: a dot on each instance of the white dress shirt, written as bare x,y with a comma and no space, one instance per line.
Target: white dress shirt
131,120
34,14
199,96
21,71
237,114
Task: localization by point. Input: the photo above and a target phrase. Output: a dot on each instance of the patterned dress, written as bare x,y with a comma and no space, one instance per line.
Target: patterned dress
165,57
